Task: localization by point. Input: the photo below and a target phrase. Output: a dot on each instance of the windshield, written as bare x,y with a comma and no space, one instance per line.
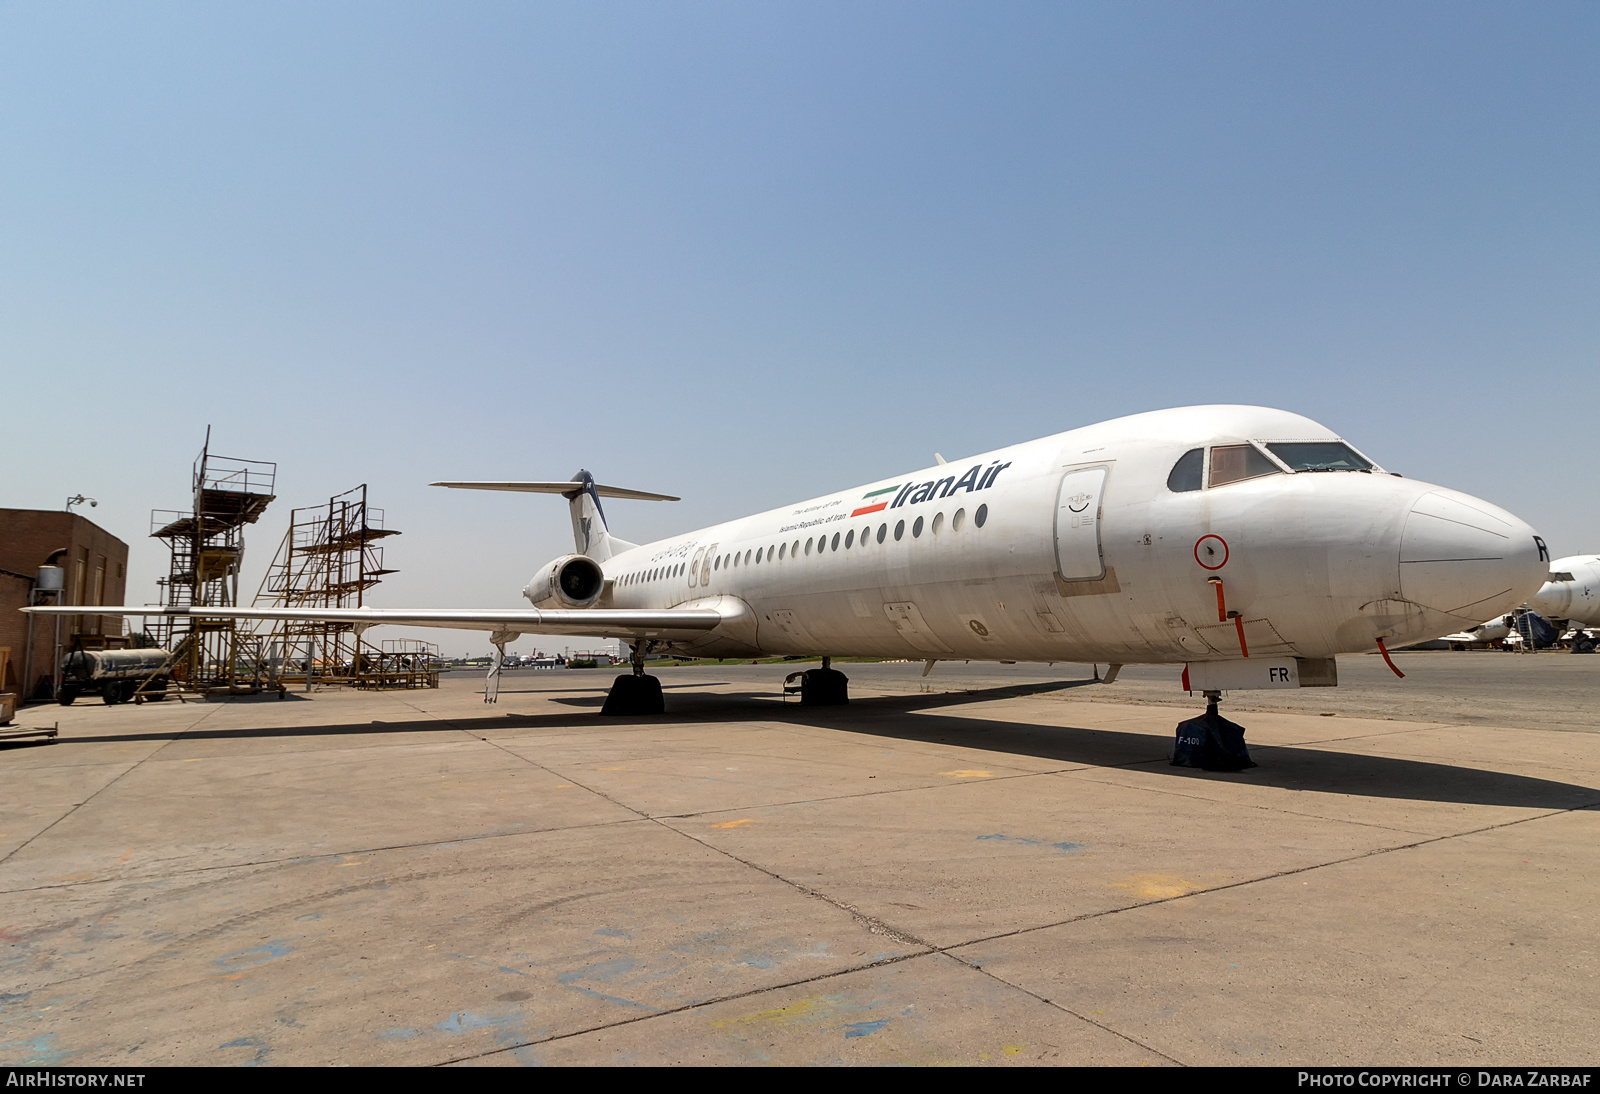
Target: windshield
1236,462
1319,456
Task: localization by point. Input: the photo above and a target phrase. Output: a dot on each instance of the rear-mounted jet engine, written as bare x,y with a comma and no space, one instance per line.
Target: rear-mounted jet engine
571,581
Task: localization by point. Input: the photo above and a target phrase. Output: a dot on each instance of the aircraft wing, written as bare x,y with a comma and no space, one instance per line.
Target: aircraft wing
592,622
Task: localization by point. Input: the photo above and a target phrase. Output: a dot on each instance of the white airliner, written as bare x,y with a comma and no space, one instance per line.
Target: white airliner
1569,599
1571,593
1489,633
1250,546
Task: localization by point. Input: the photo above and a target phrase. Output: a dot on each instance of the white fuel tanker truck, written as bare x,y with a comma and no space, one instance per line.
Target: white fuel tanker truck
115,674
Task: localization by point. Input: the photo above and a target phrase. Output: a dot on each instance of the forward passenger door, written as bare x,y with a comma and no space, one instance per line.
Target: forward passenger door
1078,551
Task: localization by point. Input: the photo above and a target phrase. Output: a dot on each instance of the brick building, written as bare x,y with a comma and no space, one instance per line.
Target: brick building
95,571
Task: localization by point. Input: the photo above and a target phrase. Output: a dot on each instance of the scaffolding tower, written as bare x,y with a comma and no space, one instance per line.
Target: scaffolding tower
329,558
207,549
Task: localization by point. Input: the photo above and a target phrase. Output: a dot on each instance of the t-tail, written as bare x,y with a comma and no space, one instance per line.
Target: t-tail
583,494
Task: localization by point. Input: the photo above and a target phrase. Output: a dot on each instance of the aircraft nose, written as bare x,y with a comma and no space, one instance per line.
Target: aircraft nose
1553,600
1467,558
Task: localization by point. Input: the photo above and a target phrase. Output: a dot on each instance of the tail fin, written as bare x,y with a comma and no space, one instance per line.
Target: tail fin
589,531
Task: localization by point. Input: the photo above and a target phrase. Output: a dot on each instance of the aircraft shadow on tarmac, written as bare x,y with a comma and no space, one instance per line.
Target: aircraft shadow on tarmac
1312,768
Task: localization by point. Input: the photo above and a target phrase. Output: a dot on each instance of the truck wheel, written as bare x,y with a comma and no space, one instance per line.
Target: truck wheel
128,688
158,689
111,692
66,695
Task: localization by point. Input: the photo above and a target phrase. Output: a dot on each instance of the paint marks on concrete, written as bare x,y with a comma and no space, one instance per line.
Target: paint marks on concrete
604,972
504,1026
818,1013
487,964
255,955
968,774
40,1051
1005,1050
735,823
260,1051
1065,848
1156,886
811,1007
863,1029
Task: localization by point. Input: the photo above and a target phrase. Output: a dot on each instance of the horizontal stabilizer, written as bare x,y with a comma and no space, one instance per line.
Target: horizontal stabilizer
569,488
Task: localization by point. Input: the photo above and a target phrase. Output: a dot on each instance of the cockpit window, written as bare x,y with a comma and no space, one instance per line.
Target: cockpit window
1319,456
1186,472
1235,462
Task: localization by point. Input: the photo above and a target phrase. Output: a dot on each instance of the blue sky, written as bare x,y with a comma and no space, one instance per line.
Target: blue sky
751,252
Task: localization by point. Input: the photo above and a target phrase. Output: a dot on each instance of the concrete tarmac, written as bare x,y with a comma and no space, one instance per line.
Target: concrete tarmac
990,865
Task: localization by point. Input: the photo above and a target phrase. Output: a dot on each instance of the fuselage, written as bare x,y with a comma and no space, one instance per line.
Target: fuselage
1194,534
1571,591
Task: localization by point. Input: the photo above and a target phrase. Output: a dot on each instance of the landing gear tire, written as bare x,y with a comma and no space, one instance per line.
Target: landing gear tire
631,696
824,688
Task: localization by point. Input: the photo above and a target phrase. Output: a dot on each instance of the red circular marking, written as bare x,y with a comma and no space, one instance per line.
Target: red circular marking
1220,540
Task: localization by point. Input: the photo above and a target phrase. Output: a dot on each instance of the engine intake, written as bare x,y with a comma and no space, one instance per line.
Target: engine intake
571,581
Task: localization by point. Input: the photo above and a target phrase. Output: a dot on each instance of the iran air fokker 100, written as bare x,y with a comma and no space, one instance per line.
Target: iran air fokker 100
1249,546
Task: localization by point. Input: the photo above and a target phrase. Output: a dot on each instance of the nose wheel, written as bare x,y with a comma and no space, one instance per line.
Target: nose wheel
824,687
1211,742
634,694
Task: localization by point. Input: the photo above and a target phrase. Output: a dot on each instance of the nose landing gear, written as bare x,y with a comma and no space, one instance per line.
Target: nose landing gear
1211,742
634,694
824,687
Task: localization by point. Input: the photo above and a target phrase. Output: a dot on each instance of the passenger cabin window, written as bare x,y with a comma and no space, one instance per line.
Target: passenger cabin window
1185,474
1236,462
1319,456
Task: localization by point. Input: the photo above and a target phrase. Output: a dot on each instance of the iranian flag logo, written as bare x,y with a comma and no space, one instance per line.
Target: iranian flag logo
869,506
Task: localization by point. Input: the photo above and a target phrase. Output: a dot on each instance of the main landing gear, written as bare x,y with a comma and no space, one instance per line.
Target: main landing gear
637,693
1211,742
824,687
